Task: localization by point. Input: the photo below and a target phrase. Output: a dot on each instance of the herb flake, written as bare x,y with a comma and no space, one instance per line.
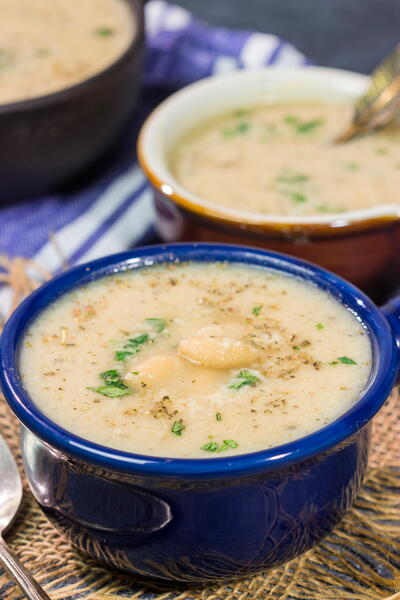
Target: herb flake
256,310
113,376
210,447
351,166
139,340
111,390
215,447
307,126
287,176
133,346
297,197
178,427
344,360
104,32
303,126
113,387
244,377
240,128
240,112
122,354
6,58
158,324
229,444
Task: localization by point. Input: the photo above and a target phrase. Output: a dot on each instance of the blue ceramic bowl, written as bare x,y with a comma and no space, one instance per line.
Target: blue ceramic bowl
202,519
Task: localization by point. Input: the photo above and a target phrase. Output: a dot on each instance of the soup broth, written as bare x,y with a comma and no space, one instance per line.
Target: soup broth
48,45
195,360
281,160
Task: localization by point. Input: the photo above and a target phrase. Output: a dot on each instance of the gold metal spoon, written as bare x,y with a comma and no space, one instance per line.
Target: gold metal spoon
381,102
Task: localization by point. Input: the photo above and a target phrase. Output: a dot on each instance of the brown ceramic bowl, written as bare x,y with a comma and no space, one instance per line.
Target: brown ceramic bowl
46,141
362,246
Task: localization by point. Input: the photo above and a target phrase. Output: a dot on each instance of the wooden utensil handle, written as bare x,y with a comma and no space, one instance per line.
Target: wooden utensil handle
26,582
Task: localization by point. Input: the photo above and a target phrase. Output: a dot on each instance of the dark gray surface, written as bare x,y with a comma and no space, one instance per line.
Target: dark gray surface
350,34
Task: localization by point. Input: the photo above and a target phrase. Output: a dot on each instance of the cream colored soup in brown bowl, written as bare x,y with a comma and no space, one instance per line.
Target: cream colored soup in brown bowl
250,156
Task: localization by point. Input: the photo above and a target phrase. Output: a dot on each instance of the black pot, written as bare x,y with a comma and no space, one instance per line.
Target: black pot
46,141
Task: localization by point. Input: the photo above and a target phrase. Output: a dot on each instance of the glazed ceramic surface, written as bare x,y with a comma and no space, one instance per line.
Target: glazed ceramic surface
199,519
362,246
46,141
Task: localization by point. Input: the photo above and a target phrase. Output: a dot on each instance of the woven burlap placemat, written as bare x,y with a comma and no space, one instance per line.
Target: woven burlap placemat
359,560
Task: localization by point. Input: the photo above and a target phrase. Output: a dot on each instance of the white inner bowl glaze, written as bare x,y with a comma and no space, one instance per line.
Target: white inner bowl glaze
220,94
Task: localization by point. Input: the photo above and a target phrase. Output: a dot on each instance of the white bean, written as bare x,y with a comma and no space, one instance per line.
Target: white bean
156,369
216,352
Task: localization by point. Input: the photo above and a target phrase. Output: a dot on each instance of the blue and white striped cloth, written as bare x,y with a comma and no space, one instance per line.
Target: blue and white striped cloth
112,211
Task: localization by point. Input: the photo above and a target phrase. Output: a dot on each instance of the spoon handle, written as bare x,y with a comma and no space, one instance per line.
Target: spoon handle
26,582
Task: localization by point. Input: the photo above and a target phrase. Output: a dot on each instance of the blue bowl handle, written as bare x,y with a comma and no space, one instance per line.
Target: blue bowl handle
391,310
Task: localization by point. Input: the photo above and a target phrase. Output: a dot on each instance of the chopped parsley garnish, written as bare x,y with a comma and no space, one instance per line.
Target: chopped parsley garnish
319,326
345,360
303,126
113,386
228,444
218,416
132,346
139,340
41,52
296,347
256,310
243,378
240,112
112,376
297,197
290,120
104,31
158,324
112,391
352,166
210,447
122,354
324,208
381,151
178,427
227,133
307,126
214,447
6,58
287,176
292,184
240,128
243,127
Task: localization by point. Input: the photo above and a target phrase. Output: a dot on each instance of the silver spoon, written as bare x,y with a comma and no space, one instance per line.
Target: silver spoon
10,500
381,102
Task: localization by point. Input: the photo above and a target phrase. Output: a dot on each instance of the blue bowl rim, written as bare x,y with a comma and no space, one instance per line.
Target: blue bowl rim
382,378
